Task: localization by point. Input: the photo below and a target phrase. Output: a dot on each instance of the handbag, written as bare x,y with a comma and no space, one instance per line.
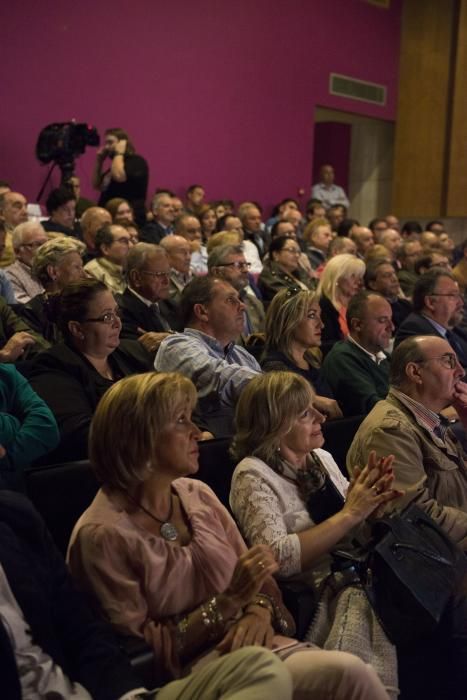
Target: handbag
409,570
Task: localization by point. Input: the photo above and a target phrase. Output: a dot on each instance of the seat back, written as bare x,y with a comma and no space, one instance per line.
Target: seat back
338,436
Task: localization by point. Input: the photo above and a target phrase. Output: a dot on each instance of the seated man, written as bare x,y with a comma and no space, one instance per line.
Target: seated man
326,191
17,340
27,426
317,237
92,220
430,465
189,227
27,238
147,274
178,252
438,307
357,369
228,262
212,315
112,244
381,277
163,217
13,211
408,254
363,239
61,207
53,646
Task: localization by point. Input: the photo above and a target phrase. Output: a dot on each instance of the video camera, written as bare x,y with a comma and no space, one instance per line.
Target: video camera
63,142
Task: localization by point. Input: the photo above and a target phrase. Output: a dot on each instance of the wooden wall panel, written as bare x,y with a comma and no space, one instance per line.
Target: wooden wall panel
457,166
420,144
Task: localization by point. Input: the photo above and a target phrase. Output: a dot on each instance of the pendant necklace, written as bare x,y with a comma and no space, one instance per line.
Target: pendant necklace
167,529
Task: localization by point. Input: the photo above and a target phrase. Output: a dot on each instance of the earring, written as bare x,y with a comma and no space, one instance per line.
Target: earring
81,336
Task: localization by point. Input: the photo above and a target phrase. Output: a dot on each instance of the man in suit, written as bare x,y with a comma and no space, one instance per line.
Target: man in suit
438,308
162,224
148,279
380,276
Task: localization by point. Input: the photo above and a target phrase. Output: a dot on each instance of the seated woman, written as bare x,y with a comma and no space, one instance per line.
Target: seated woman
282,269
289,494
165,558
340,281
120,210
56,264
293,339
73,375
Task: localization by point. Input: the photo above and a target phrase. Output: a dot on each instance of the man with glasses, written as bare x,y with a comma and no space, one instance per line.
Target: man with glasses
430,464
438,308
141,304
228,262
27,238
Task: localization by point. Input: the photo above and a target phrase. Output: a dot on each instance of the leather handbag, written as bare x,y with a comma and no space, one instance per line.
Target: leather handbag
410,569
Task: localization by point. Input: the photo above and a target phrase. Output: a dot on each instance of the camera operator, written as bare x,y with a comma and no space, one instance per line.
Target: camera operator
126,176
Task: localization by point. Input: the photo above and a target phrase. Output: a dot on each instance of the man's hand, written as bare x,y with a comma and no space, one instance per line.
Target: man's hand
16,346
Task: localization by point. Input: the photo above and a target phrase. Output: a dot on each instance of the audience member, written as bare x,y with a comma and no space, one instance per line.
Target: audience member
378,226
290,495
193,565
282,269
229,222
392,241
363,239
435,226
126,176
293,340
212,314
393,222
326,191
61,208
194,199
411,229
56,264
148,279
178,252
381,277
163,218
340,281
336,215
228,262
189,227
317,237
208,221
446,245
460,270
357,368
133,230
26,238
429,241
82,204
340,245
438,307
428,261
6,288
52,644
287,229
120,210
13,211
177,207
314,209
250,216
72,376
347,226
408,254
27,427
112,245
92,220
429,462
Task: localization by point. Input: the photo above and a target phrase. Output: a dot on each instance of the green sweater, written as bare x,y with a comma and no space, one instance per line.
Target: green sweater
356,381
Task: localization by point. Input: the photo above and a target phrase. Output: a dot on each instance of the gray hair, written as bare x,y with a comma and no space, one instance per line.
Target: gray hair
22,229
407,351
138,255
219,254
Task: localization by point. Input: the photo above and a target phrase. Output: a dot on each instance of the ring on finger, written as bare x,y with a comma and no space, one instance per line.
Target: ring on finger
375,490
261,564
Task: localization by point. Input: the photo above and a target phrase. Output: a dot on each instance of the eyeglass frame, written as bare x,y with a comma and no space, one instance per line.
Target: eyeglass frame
451,356
111,315
236,264
155,274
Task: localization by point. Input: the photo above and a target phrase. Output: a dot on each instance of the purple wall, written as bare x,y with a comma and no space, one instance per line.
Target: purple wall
210,91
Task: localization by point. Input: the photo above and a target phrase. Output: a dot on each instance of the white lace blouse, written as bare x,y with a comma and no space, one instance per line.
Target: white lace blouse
269,510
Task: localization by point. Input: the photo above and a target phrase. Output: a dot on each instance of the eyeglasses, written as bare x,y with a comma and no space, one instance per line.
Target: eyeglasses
448,360
237,265
453,295
124,240
110,317
33,245
166,275
294,251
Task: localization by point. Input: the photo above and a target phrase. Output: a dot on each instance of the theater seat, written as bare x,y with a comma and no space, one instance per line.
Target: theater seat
338,436
216,467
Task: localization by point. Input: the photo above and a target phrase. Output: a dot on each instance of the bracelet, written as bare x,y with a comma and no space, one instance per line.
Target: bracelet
277,620
212,618
264,602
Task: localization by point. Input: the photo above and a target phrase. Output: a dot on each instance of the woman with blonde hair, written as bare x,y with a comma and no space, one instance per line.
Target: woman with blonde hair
293,341
341,279
289,494
167,561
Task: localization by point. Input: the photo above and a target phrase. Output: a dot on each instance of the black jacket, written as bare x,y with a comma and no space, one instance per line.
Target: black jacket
136,314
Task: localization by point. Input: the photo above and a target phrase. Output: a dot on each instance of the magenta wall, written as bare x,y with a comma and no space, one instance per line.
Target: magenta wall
211,91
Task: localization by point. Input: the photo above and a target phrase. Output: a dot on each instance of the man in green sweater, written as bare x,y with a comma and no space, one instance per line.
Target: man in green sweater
357,369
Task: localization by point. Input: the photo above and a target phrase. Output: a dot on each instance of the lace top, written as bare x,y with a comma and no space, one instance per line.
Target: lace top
270,510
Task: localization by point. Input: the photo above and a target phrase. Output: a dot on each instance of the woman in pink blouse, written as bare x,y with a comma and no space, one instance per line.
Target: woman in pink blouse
167,561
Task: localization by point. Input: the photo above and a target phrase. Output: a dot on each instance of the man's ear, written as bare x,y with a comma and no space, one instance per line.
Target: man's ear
134,278
201,312
412,372
355,324
428,302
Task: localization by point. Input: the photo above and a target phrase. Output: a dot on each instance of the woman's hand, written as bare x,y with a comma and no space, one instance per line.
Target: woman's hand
329,407
371,487
251,571
251,629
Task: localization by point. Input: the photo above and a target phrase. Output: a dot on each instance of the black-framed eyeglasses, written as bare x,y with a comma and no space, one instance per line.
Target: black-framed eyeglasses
237,265
110,317
156,274
453,295
448,360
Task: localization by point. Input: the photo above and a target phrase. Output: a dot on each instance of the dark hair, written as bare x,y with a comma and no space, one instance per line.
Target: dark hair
164,190
345,226
122,135
425,285
114,204
71,304
192,188
277,244
371,271
57,198
104,236
275,211
411,227
436,222
357,305
223,220
4,183
407,351
275,228
373,223
198,291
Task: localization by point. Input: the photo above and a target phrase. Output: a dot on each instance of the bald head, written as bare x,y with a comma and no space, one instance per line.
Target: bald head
13,209
178,251
363,239
92,220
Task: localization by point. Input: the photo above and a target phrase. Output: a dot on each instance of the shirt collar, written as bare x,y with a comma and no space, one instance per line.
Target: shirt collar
441,329
138,296
378,358
426,418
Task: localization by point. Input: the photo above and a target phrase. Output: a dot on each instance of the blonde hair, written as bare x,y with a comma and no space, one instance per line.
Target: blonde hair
312,227
285,312
127,424
266,411
377,252
223,238
52,253
342,265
